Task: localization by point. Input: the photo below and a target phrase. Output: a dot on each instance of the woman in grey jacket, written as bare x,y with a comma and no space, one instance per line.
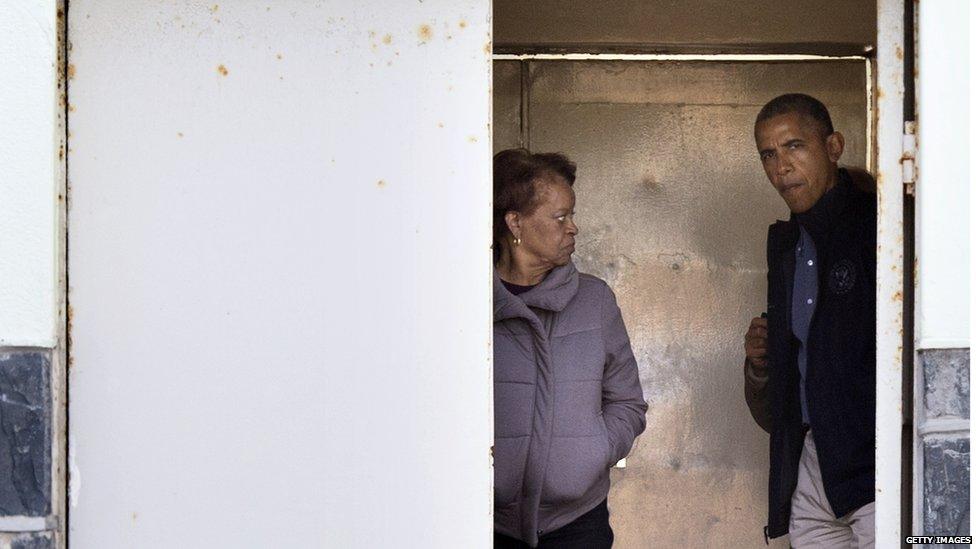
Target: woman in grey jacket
568,401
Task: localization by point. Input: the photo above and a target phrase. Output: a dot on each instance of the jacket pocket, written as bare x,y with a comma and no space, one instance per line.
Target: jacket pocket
576,465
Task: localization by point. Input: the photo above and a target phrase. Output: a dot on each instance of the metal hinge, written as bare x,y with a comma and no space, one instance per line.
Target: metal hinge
909,147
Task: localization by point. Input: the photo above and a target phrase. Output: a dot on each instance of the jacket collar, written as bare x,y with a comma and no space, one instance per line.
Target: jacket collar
820,218
552,294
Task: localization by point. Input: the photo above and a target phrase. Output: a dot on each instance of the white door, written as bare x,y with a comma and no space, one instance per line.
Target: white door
280,274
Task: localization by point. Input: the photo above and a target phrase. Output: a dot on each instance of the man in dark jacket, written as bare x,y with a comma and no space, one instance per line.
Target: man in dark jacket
810,366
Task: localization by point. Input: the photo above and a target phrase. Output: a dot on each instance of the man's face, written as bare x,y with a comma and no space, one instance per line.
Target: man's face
799,160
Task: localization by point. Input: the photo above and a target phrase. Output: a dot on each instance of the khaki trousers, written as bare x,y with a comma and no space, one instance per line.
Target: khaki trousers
812,523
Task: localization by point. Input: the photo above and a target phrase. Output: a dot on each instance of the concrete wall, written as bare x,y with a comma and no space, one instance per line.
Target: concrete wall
280,274
942,323
32,309
673,206
810,26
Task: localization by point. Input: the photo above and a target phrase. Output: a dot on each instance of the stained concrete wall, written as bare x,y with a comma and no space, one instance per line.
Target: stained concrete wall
812,26
673,207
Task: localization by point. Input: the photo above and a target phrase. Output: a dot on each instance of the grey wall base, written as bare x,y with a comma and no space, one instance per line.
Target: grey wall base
25,447
945,453
25,433
30,540
946,504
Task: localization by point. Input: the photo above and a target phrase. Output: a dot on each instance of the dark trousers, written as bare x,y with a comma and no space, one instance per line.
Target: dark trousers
590,531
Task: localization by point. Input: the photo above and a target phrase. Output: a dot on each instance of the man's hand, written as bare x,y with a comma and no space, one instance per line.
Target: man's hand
755,345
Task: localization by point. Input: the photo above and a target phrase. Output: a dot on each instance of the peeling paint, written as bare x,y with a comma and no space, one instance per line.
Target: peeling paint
69,321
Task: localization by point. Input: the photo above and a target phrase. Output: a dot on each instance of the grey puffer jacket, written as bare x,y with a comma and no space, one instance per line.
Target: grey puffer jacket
568,401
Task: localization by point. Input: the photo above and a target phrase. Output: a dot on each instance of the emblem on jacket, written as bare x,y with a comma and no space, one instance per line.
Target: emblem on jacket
842,277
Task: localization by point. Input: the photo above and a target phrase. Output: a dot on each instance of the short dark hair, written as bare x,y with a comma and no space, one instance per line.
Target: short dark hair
516,172
799,103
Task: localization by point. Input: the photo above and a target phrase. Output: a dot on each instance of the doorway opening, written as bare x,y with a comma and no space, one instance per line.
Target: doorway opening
673,208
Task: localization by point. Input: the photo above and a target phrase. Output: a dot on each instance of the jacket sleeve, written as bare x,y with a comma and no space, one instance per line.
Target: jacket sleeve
623,399
757,397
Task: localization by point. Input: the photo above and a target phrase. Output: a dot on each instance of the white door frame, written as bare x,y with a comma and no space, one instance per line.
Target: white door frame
889,96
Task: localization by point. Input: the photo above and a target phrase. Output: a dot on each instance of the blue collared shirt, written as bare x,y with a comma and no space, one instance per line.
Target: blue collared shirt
804,303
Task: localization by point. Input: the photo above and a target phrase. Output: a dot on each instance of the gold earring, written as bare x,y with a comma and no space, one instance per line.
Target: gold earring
518,241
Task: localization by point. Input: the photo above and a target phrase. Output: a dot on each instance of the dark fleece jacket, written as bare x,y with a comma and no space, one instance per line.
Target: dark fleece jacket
840,381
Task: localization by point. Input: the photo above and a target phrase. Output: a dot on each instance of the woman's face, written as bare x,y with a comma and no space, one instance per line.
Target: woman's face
549,233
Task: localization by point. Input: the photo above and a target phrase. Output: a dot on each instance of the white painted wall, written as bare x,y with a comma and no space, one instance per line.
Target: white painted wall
280,228
29,167
942,207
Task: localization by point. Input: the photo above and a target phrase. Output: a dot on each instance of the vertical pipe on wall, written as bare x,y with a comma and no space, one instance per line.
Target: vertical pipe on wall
889,96
869,144
524,106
